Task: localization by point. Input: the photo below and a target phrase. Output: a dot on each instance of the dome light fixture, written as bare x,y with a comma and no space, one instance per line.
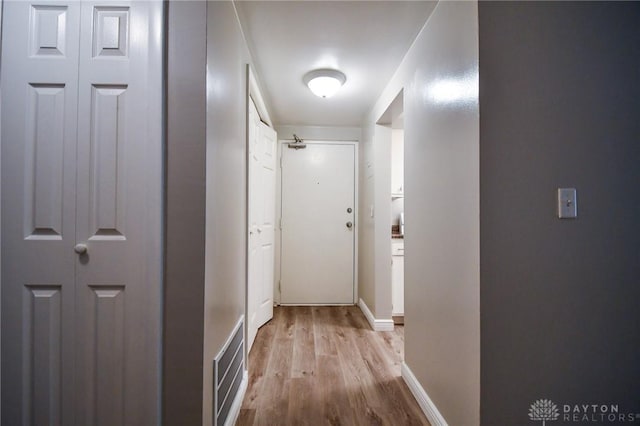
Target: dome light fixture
324,83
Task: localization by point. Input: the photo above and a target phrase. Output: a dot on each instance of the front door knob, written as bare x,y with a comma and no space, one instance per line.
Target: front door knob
80,248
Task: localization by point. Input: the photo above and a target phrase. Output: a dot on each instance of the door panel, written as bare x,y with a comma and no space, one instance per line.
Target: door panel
318,188
39,127
102,357
118,215
267,230
43,330
254,260
260,261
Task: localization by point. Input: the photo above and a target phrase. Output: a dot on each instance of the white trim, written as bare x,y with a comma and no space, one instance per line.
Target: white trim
1,46
315,304
376,324
426,404
356,228
256,95
230,338
234,411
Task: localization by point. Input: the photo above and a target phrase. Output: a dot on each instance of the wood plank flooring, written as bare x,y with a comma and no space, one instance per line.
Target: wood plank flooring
325,366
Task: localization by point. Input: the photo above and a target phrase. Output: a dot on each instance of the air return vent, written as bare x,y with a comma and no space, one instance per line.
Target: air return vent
228,371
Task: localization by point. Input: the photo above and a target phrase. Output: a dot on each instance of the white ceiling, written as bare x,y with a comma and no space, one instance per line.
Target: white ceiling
366,40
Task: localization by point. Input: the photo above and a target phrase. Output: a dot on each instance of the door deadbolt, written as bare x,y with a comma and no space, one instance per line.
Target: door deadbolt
349,210
349,225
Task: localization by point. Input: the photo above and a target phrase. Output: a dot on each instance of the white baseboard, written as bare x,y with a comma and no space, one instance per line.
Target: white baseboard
428,407
376,324
234,411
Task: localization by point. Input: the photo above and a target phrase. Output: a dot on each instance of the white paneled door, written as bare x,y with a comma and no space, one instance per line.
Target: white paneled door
81,212
262,214
318,223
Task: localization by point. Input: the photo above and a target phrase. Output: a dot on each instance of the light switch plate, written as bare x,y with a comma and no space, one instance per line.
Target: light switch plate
567,203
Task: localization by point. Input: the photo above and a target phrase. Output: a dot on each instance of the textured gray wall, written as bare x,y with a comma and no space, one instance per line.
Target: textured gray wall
185,213
560,299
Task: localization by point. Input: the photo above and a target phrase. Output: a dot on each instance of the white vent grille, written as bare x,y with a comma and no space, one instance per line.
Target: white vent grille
228,369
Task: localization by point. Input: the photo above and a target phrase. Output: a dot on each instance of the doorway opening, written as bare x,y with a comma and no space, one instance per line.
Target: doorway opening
390,130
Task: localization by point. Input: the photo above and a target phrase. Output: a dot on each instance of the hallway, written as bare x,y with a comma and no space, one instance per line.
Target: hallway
324,365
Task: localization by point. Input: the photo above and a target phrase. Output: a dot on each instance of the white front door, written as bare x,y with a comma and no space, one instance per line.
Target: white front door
262,213
82,210
318,224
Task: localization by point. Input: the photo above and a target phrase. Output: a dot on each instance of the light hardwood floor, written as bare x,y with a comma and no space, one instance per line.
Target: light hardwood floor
325,366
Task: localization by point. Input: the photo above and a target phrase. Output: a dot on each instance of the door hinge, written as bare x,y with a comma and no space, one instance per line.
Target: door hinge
279,286
280,223
280,160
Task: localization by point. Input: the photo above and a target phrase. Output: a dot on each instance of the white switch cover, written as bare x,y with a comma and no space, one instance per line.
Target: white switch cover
567,203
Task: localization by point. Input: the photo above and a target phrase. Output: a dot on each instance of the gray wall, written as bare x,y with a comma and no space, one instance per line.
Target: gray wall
442,277
205,200
226,206
365,223
185,213
559,107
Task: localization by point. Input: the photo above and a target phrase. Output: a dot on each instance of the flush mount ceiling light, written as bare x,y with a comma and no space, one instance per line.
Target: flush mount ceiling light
324,83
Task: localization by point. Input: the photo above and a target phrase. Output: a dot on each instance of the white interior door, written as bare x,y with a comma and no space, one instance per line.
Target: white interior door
39,135
262,213
318,224
81,210
119,213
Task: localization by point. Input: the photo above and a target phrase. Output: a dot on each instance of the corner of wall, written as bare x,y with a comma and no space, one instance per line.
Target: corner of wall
366,210
382,227
375,323
227,56
442,243
185,118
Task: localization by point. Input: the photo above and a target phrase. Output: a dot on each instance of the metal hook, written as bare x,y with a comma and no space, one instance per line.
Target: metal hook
298,144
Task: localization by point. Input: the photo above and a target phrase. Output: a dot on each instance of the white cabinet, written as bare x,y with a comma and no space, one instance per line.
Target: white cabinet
397,163
397,278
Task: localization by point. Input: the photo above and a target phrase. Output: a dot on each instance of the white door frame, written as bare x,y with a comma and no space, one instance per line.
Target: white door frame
253,91
281,143
1,6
